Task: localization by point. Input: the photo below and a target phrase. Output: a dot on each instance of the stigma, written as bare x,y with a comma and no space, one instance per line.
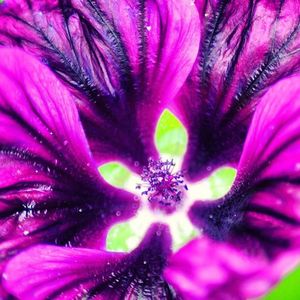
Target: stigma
163,188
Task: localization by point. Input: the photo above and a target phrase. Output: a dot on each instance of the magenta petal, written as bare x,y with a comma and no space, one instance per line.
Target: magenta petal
245,48
261,212
66,273
205,269
50,188
124,60
39,272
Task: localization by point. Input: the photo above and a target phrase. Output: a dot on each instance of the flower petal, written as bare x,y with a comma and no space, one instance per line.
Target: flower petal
246,47
50,189
67,273
205,269
261,213
123,59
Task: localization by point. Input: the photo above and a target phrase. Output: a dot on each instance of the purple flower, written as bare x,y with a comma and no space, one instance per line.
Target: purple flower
105,72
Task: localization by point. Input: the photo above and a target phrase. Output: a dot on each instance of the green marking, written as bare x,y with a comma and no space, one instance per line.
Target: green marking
221,181
127,236
115,174
118,236
170,135
124,237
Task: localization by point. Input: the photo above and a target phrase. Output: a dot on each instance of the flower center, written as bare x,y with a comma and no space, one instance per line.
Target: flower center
163,187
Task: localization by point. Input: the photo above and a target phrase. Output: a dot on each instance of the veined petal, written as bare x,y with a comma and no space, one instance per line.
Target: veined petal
206,269
261,214
124,60
245,48
50,189
49,272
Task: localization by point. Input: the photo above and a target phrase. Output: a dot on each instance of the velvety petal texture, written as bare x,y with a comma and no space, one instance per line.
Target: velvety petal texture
49,272
261,214
206,269
50,188
246,46
122,59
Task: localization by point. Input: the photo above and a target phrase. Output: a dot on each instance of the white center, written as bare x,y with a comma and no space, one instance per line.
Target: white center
179,224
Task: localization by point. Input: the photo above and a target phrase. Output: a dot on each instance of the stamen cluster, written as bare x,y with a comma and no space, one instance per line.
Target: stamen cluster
163,187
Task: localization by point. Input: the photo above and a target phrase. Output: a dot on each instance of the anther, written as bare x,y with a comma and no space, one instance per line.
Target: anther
163,187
